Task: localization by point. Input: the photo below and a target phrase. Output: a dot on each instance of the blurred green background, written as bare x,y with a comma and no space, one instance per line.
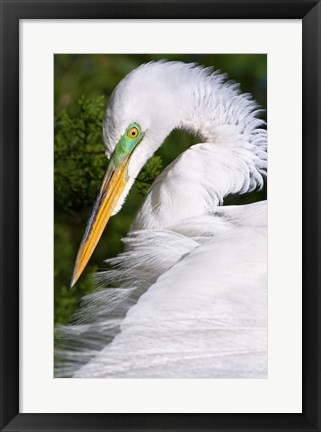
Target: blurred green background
83,84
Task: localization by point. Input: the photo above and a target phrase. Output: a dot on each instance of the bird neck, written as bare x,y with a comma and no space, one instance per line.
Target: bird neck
234,139
230,159
196,183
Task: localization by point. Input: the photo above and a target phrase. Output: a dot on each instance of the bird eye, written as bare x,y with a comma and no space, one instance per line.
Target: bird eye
133,132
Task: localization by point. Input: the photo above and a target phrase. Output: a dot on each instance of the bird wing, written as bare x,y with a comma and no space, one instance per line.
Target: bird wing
204,317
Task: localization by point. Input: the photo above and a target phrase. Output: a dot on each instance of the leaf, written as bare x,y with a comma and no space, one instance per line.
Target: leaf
151,170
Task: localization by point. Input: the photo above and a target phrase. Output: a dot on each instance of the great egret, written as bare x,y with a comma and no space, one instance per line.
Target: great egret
189,297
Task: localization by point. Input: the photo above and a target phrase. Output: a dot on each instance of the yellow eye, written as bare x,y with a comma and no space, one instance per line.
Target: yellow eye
133,132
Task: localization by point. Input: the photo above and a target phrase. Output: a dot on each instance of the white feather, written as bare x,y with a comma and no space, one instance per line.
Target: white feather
205,317
205,277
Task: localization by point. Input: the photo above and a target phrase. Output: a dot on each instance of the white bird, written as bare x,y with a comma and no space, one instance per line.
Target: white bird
189,293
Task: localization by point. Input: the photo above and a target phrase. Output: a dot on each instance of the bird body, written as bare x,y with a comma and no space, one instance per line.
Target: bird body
188,296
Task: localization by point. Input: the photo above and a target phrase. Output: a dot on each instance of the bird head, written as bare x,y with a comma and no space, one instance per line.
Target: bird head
141,112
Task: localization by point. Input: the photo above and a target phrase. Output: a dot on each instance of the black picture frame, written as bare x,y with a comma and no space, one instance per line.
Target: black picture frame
11,12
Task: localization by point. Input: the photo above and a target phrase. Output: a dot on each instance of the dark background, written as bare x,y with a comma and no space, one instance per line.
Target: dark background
83,84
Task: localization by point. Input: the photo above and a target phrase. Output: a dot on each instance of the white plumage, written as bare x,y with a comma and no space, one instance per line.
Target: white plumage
189,297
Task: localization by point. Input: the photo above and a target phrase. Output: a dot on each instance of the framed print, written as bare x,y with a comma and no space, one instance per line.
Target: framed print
208,317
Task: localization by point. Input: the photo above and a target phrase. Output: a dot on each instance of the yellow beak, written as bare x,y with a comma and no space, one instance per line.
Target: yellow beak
110,191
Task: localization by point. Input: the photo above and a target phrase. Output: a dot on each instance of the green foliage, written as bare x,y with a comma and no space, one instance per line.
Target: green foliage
79,154
151,170
67,236
79,166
